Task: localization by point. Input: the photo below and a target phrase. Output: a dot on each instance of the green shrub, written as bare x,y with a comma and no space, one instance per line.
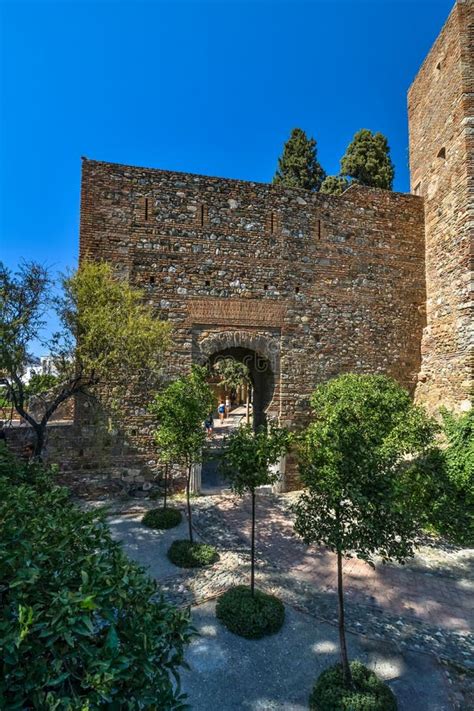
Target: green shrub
459,457
250,616
192,555
446,487
81,626
369,693
162,518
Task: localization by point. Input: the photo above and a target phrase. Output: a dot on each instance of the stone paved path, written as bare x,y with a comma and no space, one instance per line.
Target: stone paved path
290,572
229,673
428,606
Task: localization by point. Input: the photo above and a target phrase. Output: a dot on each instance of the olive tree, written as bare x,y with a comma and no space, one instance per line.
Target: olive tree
248,462
180,410
109,340
365,438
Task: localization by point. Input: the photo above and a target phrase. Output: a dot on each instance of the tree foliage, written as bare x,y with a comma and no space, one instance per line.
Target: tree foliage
116,336
108,340
459,431
180,410
81,626
334,185
232,373
365,435
444,489
298,166
250,456
40,384
367,160
248,462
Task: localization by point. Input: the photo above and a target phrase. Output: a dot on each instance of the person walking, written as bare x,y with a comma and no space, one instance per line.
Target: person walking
221,411
209,425
228,405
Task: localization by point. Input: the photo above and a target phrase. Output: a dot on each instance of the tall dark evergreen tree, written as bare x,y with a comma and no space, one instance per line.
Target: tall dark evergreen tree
298,166
367,160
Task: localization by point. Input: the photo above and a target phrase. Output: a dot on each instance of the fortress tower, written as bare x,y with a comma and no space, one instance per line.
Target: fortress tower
441,123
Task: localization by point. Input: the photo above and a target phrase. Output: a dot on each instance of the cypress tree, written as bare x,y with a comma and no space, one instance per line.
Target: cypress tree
334,185
298,166
367,160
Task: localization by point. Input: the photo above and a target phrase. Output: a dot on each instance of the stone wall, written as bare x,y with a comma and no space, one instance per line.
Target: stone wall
441,120
315,284
90,455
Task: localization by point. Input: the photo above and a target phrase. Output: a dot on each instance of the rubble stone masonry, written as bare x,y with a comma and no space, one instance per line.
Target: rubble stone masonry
315,285
441,121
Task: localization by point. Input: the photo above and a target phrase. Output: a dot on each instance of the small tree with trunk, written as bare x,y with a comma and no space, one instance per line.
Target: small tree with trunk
180,410
167,480
248,462
108,340
234,374
365,436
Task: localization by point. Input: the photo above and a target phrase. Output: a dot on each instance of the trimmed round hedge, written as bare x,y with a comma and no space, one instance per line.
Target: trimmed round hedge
192,555
250,616
369,693
162,518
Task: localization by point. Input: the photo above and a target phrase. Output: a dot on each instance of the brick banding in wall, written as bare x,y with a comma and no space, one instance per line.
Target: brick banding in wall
333,281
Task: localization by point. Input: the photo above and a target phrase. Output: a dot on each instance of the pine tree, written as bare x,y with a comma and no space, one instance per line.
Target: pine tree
334,185
298,166
367,160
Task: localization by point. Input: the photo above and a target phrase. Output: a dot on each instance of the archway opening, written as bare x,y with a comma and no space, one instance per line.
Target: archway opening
262,382
258,395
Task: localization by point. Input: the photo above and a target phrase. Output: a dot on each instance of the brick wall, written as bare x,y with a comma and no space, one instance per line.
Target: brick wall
90,454
317,285
441,120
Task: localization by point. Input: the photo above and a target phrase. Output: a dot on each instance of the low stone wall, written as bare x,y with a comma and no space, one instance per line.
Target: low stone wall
89,460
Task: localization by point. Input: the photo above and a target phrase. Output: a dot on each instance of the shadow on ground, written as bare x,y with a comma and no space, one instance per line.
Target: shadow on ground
147,546
277,673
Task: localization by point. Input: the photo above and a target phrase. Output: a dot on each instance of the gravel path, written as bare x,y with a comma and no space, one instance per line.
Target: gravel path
442,640
277,673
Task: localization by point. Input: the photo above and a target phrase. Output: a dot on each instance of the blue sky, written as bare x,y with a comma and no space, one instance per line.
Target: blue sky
206,87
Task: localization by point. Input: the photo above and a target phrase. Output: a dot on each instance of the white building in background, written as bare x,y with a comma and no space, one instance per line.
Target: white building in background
44,365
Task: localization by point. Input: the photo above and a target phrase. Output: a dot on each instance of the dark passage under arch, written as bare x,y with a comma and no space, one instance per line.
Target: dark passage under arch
263,386
261,376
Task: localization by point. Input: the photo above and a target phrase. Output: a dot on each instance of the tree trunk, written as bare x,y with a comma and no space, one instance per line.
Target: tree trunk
252,548
166,485
188,502
346,671
39,442
247,406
